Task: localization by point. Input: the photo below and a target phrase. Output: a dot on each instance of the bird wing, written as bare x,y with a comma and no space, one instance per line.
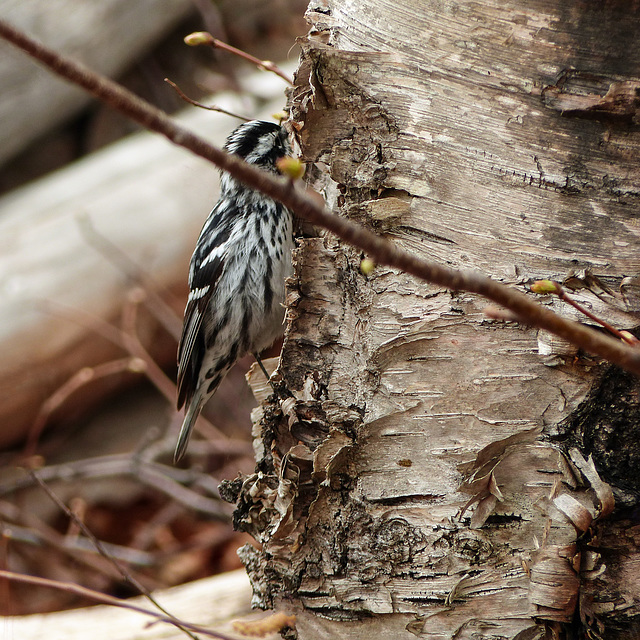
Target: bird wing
207,265
191,348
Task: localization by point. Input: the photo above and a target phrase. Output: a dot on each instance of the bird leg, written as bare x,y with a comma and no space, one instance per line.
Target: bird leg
280,390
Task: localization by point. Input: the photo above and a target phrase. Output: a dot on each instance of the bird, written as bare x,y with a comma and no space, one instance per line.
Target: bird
236,276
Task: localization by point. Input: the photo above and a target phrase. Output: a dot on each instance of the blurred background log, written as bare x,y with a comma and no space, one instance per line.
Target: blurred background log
228,596
108,36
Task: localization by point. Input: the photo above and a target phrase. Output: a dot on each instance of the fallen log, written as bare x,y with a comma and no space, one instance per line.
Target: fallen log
107,36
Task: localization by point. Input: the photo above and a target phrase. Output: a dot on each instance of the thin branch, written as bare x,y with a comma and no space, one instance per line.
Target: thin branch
140,362
621,335
202,37
75,382
84,319
110,600
150,475
195,103
176,484
128,578
76,547
162,310
132,344
383,252
147,535
157,376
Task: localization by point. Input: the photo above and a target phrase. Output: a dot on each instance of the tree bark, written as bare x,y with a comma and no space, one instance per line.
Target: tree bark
431,475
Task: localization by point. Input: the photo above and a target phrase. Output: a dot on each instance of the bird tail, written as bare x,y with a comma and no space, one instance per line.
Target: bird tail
190,417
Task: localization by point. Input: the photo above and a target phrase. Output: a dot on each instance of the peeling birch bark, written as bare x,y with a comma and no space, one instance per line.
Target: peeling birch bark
420,483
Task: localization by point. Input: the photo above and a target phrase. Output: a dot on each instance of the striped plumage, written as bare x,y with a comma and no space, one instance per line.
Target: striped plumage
236,276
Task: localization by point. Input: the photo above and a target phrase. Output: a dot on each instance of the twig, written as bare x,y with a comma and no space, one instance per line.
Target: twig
141,360
161,482
127,577
195,103
75,382
162,311
382,251
80,544
134,346
165,479
202,37
95,324
551,286
622,335
110,600
124,337
122,464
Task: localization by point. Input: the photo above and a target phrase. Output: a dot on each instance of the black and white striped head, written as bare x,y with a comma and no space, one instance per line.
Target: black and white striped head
259,142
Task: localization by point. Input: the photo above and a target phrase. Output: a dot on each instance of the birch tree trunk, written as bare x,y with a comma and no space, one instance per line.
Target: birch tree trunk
431,476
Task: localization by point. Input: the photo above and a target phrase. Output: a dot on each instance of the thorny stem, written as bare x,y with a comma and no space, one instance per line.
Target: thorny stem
384,252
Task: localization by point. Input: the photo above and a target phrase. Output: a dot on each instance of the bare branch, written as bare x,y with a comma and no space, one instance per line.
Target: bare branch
549,286
202,37
105,599
180,485
195,103
163,310
140,361
75,382
283,190
76,547
127,577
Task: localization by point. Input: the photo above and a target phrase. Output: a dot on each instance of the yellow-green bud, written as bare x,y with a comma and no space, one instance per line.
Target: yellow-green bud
197,38
367,266
544,287
290,167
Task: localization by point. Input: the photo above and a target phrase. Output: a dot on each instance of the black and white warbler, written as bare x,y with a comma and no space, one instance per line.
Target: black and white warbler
236,276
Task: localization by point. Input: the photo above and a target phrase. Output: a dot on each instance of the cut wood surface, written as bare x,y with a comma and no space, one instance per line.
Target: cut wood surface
107,36
143,195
